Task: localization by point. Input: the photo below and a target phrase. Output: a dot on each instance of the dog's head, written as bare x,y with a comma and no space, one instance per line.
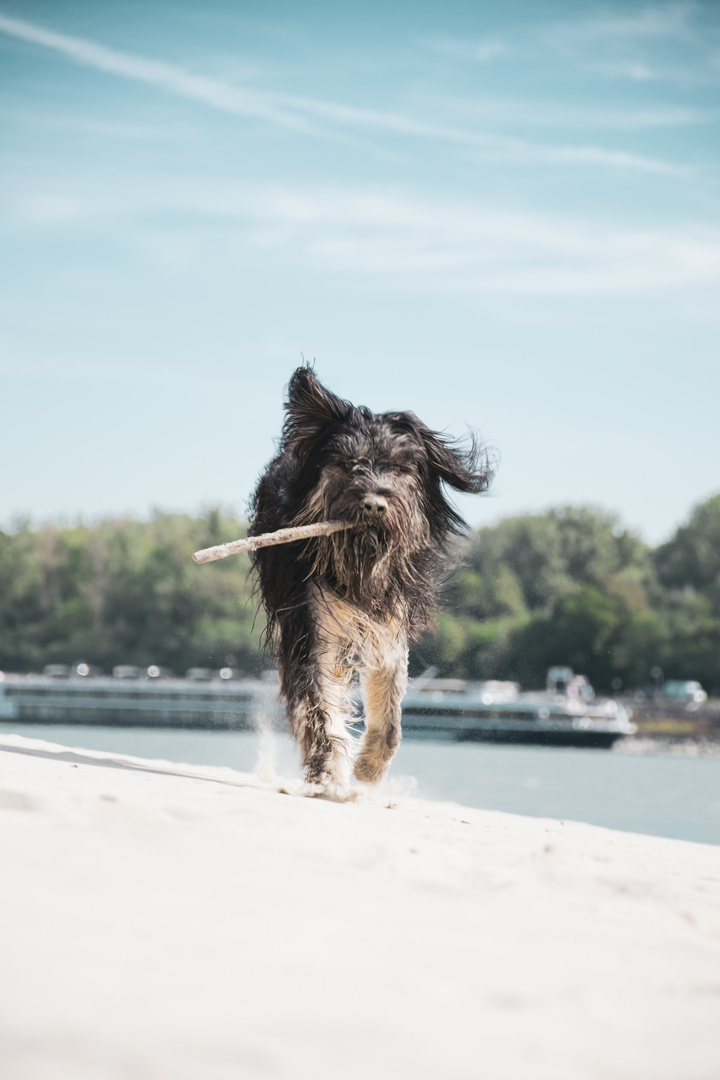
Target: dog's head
386,472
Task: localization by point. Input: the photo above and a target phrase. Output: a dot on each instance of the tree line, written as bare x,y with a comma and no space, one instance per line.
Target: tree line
571,586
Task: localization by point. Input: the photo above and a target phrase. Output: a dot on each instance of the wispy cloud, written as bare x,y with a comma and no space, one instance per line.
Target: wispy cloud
478,52
67,124
524,152
677,41
168,77
477,248
626,69
420,244
653,22
490,145
494,112
317,116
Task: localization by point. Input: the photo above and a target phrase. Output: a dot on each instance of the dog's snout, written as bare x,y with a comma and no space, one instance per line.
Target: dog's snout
373,504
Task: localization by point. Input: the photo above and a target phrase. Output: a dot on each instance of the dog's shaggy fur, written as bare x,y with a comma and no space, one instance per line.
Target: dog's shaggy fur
347,605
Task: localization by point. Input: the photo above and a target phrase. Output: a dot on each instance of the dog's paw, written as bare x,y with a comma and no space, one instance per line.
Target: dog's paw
332,791
313,789
369,769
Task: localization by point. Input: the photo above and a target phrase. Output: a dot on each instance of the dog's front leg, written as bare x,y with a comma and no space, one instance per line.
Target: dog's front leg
384,682
316,684
321,734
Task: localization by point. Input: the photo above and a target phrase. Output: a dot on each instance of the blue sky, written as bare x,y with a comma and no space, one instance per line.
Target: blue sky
503,216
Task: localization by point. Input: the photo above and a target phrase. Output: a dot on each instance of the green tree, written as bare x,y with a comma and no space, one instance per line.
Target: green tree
691,559
581,631
570,586
126,592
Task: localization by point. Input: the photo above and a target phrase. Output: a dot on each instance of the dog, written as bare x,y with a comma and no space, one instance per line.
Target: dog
344,608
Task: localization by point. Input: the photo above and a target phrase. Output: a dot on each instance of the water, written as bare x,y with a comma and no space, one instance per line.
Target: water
657,793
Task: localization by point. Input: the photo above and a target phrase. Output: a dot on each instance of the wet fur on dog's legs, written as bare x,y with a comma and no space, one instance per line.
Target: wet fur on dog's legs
323,742
384,683
317,686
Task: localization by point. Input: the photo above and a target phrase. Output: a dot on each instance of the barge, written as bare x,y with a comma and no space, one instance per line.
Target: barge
135,702
566,713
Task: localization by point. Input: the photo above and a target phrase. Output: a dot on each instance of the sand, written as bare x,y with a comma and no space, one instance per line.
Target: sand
171,922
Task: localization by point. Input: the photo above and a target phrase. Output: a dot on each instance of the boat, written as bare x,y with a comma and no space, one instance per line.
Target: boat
566,713
129,699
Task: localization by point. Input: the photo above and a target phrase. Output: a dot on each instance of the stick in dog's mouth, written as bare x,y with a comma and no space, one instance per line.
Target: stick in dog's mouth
281,536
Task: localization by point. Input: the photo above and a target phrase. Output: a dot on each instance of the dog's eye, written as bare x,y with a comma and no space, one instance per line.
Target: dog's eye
348,466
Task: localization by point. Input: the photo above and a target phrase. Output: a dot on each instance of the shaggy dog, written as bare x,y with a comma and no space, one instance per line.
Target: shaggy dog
346,606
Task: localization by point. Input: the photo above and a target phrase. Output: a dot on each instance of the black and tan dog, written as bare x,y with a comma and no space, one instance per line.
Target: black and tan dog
347,605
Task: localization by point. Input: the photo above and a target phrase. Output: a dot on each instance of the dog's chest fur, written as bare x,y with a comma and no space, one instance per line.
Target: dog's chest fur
352,636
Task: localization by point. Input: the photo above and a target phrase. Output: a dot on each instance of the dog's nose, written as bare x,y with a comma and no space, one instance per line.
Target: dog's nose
373,504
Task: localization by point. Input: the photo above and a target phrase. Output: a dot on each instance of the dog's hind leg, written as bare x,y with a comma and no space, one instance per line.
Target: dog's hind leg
384,681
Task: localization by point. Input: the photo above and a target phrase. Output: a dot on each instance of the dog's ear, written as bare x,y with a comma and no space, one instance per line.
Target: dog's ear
311,410
465,468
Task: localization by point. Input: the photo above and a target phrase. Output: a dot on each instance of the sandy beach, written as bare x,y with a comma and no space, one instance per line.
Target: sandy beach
172,922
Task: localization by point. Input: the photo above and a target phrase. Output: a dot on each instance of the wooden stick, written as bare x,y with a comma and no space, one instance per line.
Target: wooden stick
282,536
